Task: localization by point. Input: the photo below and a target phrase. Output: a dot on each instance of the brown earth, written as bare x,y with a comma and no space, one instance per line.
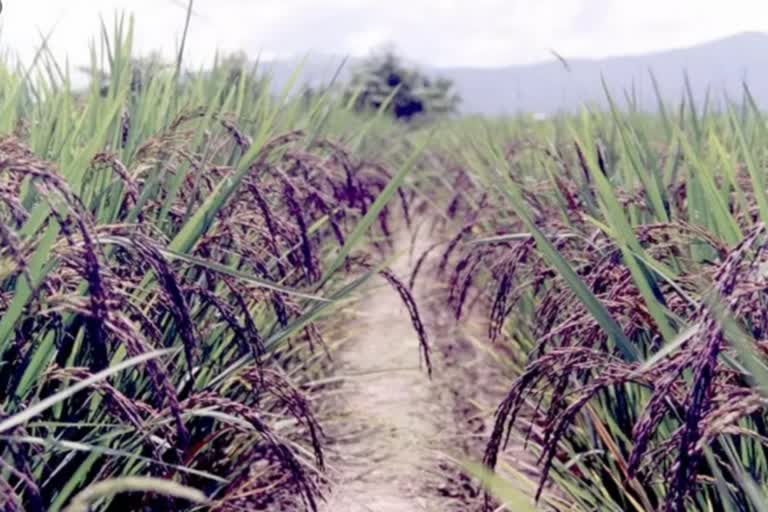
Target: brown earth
401,436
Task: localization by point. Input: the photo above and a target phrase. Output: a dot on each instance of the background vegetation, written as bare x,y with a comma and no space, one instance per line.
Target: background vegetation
405,92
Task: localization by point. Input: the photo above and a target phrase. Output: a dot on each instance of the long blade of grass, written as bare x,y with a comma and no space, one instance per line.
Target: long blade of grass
32,411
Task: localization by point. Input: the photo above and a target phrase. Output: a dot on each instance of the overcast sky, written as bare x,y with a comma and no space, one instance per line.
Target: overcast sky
437,32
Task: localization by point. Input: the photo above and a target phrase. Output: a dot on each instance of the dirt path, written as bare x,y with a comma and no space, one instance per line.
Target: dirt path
391,423
395,445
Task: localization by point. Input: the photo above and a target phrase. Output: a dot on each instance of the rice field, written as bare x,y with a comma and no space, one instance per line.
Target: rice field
621,257
185,255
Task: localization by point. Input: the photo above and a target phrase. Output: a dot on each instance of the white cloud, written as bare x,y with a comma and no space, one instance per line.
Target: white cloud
442,32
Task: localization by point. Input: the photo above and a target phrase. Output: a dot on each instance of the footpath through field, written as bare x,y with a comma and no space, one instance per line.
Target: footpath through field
392,418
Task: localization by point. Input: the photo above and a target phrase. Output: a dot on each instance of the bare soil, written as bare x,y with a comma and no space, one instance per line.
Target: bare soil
402,436
389,437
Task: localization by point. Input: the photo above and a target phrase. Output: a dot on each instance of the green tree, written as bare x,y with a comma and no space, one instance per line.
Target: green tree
413,93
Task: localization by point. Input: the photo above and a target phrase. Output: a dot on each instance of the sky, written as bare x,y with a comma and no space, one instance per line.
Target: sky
478,33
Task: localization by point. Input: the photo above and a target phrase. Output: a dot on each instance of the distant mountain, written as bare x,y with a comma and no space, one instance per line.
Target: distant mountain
548,87
721,65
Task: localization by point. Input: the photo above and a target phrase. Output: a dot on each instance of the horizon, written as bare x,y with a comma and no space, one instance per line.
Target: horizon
550,86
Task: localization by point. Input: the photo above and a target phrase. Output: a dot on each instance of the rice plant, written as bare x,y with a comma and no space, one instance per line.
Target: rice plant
172,245
620,256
